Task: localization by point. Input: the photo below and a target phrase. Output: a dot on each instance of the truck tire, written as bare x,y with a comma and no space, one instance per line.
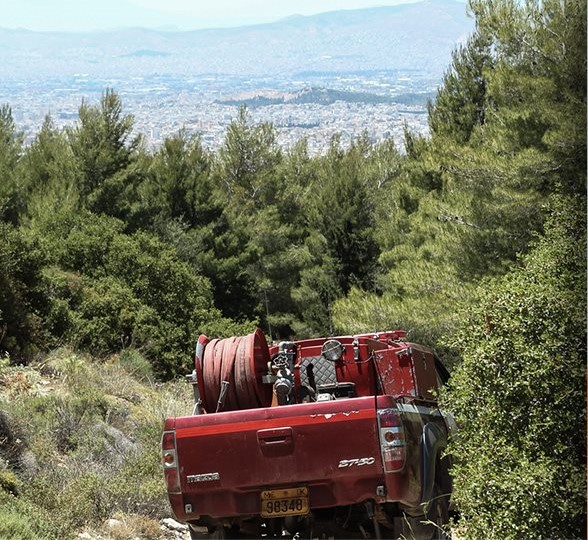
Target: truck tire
429,525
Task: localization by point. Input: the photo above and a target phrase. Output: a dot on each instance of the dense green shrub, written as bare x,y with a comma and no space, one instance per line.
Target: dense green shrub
520,394
110,291
15,526
11,193
9,481
135,363
22,300
13,441
21,519
136,487
110,317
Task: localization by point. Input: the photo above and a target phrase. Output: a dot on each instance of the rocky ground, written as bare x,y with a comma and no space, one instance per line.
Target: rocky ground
170,529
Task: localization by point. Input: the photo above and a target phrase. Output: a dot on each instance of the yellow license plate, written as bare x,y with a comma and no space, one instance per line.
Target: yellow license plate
284,502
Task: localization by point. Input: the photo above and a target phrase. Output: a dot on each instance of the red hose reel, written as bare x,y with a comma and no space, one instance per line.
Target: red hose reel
237,364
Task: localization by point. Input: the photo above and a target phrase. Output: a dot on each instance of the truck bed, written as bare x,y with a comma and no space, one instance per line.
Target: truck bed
235,463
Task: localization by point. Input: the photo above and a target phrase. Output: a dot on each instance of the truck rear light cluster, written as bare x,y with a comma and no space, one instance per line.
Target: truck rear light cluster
170,461
392,441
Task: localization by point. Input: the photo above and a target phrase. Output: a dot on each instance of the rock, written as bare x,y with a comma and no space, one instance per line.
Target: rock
118,444
112,523
174,525
89,535
28,463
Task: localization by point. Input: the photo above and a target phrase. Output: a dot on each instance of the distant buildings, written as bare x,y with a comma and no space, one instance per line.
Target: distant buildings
162,107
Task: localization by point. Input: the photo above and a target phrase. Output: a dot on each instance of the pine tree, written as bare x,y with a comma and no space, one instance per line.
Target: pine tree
11,193
247,163
178,185
508,132
52,178
460,104
340,251
106,152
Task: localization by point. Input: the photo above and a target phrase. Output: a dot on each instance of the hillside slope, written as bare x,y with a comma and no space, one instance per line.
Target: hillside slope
409,36
79,449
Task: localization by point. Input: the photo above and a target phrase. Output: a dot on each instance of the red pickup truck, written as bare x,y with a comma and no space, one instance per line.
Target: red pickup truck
331,437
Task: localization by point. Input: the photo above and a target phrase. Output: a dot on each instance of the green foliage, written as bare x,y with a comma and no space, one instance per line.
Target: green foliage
339,250
25,520
11,196
9,482
133,362
130,255
177,187
117,291
93,433
15,526
137,488
461,100
109,317
539,84
51,175
13,442
246,164
519,395
22,299
343,212
106,152
318,288
507,132
248,187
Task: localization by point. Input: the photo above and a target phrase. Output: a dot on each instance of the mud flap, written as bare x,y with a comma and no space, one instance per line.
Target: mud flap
432,441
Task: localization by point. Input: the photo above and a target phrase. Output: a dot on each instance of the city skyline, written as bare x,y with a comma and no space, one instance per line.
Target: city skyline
181,15
350,73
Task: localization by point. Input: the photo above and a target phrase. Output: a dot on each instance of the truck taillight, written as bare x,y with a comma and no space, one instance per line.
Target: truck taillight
392,441
170,461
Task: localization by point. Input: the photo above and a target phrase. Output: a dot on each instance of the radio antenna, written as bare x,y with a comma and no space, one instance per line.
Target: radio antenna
269,325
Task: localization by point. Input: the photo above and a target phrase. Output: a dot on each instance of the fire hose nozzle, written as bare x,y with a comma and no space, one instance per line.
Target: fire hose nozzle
283,387
221,397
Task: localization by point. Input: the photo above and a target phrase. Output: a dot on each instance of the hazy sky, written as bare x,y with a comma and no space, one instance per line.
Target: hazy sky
83,15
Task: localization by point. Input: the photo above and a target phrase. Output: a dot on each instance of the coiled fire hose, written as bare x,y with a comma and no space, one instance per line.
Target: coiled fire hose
229,372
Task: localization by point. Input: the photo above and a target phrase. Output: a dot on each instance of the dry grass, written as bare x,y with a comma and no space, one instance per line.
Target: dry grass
96,427
132,526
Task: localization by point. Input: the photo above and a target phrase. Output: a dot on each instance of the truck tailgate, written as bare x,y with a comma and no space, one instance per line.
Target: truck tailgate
329,449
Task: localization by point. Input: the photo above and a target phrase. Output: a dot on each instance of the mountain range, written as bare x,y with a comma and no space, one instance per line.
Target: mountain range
416,36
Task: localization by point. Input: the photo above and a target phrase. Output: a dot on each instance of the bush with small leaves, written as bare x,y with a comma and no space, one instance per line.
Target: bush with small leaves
133,362
9,481
520,394
15,526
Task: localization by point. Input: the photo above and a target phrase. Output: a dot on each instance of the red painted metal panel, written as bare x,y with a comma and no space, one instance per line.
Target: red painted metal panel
425,374
284,446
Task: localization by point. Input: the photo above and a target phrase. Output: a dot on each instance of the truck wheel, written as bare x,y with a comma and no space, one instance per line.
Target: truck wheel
439,509
431,524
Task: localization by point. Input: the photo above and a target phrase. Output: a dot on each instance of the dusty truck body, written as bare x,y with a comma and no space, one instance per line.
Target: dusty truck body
333,436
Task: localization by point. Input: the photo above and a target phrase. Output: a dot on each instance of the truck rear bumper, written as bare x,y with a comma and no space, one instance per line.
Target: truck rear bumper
242,504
